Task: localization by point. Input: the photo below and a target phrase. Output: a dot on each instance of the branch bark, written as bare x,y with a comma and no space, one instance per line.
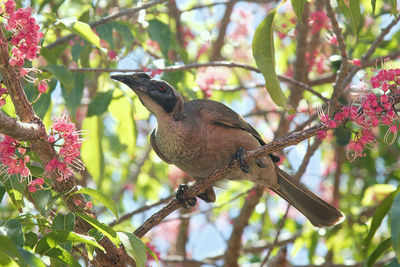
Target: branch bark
22,131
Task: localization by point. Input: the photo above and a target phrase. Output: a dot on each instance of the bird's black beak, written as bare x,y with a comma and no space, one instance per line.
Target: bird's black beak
138,81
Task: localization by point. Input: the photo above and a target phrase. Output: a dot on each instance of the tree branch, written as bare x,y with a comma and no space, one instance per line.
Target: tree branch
18,130
241,221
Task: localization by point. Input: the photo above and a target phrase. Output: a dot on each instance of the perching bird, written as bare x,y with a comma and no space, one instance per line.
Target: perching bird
200,136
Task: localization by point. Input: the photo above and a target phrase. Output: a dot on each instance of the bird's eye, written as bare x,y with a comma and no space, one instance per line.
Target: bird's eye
162,87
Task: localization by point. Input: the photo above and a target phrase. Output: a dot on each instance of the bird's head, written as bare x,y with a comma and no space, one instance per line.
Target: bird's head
158,96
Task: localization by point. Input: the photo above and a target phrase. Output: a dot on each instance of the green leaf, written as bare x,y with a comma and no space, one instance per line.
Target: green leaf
126,33
21,256
42,105
73,97
352,12
121,110
152,254
105,32
64,222
394,218
380,213
2,192
105,229
99,103
31,259
81,29
49,248
63,74
41,198
134,247
377,252
100,197
8,107
373,4
393,9
92,149
63,236
298,7
15,190
13,230
76,51
264,54
31,239
160,33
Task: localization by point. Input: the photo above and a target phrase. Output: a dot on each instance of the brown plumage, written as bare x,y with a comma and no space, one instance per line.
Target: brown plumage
201,136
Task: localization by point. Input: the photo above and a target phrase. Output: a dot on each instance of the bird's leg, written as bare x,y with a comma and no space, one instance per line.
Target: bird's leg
180,196
239,156
274,158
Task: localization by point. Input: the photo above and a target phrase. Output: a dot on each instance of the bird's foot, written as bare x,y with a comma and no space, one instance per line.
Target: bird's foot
274,158
239,157
180,196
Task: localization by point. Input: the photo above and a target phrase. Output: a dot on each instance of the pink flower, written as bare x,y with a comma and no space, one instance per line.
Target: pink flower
112,55
32,189
42,87
356,62
321,135
318,20
89,205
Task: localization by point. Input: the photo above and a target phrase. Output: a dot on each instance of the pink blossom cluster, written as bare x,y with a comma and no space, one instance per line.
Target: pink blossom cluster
26,35
187,35
318,21
10,162
35,185
68,155
153,72
242,20
209,77
3,92
374,109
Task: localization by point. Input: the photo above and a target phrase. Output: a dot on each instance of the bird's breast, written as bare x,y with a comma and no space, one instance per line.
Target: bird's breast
173,141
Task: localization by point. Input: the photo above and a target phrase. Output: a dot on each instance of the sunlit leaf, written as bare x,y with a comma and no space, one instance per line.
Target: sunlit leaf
352,13
152,254
92,150
298,7
134,247
81,29
380,213
15,190
382,247
394,216
105,229
121,110
264,54
100,197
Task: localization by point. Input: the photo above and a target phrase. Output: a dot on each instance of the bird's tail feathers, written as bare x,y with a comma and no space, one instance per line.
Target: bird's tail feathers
319,212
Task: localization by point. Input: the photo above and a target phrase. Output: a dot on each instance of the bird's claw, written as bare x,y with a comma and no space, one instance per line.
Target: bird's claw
239,157
180,196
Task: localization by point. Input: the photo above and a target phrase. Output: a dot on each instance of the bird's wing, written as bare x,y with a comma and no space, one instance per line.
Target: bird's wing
220,114
154,145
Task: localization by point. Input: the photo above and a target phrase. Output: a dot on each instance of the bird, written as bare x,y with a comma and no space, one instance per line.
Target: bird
202,135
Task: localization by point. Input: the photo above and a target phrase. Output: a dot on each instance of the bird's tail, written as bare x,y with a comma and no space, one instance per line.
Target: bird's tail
320,213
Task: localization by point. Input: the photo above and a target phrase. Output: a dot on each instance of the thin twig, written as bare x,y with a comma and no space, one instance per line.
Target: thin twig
282,222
